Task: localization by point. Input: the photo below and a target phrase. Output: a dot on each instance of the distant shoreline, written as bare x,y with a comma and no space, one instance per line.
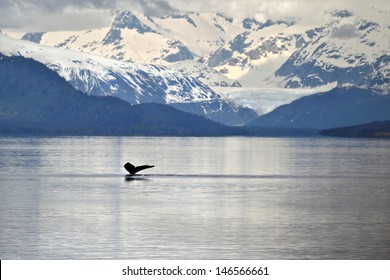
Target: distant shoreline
378,129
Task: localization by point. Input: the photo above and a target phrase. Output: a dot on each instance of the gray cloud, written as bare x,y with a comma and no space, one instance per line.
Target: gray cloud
54,5
42,15
278,7
346,31
156,8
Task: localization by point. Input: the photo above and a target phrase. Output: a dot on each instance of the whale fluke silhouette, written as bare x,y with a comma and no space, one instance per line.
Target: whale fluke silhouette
134,169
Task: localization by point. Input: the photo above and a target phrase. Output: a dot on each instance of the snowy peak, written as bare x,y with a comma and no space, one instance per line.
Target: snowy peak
124,20
128,20
34,37
251,23
342,14
186,17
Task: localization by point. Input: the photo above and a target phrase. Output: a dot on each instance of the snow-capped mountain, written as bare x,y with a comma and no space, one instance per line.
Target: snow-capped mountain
347,51
136,38
134,83
350,51
254,52
127,39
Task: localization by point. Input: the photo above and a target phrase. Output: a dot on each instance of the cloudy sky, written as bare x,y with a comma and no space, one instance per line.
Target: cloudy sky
46,15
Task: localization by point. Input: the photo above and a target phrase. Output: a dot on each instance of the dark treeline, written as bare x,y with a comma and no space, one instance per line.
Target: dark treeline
379,129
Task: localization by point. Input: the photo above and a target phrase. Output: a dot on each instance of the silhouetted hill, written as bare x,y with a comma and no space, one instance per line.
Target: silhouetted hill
374,129
34,99
336,108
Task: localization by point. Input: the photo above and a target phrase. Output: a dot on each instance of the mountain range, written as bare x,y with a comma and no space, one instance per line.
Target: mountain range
347,50
204,64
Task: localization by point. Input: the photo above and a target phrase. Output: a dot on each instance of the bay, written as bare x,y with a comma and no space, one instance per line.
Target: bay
206,198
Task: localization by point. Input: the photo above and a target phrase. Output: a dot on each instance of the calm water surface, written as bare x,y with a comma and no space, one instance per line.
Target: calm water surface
207,198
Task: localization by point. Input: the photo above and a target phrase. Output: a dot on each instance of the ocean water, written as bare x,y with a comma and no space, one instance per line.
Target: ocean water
206,198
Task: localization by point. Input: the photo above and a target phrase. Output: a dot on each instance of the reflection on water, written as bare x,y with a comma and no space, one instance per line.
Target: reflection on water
207,198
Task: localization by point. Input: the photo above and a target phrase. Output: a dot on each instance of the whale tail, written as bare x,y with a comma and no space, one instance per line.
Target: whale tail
134,169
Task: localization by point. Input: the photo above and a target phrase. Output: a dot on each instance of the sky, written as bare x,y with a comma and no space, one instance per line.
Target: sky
51,15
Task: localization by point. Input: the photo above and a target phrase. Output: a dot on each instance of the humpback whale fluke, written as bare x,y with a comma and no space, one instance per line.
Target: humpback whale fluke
134,169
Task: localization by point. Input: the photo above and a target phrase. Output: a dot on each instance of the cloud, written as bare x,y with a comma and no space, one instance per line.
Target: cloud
346,31
156,8
277,7
43,15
